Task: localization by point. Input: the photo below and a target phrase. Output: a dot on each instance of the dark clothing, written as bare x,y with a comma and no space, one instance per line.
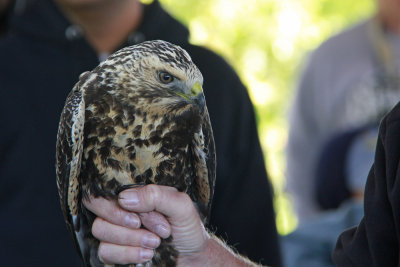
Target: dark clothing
40,61
331,179
375,242
4,14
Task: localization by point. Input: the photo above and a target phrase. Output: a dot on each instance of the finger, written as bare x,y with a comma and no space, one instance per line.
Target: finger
115,254
188,232
112,212
166,200
119,235
157,223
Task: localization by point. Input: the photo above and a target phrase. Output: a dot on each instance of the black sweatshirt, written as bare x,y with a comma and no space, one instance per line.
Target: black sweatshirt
375,241
40,61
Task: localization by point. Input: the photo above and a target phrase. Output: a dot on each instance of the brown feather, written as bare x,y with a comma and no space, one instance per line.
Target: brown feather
122,126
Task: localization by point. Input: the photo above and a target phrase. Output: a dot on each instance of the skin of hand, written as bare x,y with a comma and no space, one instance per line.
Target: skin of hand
163,211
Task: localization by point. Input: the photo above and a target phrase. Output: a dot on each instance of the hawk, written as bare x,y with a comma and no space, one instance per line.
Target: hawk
138,118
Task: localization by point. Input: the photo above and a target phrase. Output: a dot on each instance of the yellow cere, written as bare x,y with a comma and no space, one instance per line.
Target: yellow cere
196,89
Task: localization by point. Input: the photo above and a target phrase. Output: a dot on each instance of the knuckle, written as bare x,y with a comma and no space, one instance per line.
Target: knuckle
118,215
102,253
186,202
129,255
153,192
151,219
95,227
88,203
184,198
145,255
98,230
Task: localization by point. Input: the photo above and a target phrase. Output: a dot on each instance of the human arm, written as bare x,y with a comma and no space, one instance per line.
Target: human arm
163,211
375,241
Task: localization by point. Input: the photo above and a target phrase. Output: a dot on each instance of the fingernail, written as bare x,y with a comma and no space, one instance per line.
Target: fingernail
131,221
162,231
150,241
129,198
146,254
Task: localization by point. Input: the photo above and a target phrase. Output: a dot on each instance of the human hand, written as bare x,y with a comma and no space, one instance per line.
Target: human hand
121,239
163,211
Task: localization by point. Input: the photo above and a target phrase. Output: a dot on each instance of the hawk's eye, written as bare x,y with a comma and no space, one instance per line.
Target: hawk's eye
165,77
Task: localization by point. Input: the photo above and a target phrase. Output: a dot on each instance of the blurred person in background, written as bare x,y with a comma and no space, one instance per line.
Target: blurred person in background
48,45
313,242
349,82
5,9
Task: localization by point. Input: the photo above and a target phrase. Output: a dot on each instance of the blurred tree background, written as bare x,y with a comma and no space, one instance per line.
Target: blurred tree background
267,42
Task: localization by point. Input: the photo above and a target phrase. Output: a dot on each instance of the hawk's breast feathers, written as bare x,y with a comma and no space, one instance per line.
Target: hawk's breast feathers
137,118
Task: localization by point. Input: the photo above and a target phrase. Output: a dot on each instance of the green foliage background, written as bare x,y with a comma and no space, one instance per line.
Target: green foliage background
266,41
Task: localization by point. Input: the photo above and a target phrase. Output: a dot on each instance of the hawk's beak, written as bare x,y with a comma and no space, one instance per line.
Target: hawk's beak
196,89
196,94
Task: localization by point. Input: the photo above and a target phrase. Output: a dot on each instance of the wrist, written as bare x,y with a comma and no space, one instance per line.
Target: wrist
214,253
197,258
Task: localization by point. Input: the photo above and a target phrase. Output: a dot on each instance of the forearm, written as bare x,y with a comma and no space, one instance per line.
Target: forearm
216,253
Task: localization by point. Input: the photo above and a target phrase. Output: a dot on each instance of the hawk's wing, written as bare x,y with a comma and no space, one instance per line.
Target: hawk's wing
68,157
204,152
211,157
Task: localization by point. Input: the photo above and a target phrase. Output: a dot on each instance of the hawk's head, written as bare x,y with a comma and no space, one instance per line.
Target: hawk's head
155,72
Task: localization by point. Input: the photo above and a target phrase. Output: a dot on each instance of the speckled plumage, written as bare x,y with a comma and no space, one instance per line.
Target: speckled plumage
123,125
